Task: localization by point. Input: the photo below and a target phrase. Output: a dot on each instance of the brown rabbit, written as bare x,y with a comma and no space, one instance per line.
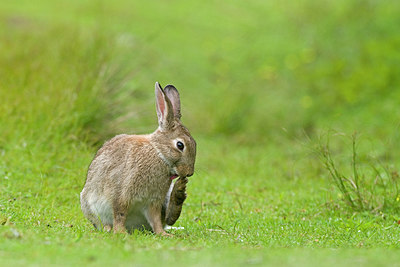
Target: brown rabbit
129,182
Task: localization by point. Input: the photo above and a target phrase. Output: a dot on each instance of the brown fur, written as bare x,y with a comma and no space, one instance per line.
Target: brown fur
129,178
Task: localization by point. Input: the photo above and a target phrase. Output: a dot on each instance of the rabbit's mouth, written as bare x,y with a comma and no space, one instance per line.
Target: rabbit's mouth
173,176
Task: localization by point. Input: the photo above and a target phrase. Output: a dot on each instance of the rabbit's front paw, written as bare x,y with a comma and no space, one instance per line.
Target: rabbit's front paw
180,190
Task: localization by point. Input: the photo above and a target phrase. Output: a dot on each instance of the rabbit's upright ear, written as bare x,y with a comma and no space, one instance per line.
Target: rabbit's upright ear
164,109
173,96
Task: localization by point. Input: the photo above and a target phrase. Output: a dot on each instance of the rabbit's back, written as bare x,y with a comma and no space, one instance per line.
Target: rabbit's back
128,163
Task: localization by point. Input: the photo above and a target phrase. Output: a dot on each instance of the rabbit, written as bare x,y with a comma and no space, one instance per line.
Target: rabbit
129,182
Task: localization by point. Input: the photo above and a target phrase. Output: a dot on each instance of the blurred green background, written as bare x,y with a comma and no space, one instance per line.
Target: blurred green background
260,82
245,68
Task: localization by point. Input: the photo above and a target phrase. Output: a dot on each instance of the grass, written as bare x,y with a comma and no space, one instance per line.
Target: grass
259,82
376,190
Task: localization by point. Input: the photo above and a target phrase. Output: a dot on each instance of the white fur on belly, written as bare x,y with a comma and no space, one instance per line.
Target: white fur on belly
101,208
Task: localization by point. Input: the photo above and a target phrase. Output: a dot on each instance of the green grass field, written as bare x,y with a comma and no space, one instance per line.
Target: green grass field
263,86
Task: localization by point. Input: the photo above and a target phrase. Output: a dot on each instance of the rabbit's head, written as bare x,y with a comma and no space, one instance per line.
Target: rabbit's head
172,140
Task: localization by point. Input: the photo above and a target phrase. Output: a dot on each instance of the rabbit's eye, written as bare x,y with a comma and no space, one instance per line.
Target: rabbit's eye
180,145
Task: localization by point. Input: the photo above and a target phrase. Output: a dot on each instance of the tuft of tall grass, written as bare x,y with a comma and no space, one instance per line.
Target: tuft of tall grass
367,185
57,82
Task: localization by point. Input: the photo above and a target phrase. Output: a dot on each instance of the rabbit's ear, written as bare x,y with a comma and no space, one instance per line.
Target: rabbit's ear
164,109
173,95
